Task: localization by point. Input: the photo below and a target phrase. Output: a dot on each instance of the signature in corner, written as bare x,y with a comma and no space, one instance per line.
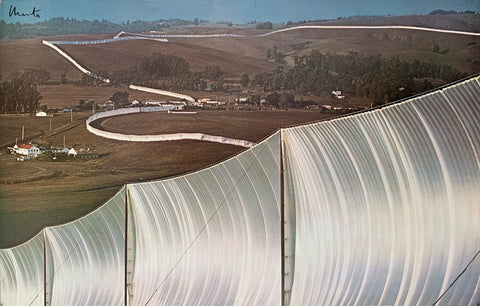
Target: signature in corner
13,12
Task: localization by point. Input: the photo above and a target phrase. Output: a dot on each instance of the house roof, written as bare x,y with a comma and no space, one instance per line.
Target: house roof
24,146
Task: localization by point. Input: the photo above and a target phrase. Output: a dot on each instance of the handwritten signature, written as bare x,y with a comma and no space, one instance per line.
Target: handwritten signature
13,12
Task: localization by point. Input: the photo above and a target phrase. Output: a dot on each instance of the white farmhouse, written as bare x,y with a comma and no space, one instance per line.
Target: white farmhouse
29,151
41,114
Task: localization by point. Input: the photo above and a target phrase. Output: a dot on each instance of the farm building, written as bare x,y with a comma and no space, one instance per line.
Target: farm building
151,102
109,105
56,150
173,105
338,94
41,114
27,150
241,100
72,152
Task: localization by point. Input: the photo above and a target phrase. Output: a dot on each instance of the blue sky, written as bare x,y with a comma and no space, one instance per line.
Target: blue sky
237,11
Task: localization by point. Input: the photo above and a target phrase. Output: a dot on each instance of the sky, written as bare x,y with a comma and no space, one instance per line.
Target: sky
236,11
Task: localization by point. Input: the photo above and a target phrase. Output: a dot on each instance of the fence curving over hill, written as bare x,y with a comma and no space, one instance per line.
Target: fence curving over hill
296,28
71,60
163,92
103,41
161,137
379,207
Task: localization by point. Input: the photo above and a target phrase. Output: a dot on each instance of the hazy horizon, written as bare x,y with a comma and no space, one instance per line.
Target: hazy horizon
236,11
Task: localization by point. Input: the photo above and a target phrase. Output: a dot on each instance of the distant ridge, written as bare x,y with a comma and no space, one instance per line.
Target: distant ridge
64,26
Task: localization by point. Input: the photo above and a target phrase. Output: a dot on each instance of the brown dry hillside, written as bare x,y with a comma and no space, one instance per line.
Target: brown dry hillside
124,54
458,22
237,55
17,55
463,51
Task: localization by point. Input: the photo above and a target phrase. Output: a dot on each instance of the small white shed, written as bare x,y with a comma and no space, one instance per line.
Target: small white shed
72,152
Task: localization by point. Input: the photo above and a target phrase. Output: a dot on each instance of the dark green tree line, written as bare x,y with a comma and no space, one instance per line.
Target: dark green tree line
371,76
168,72
18,93
120,98
60,25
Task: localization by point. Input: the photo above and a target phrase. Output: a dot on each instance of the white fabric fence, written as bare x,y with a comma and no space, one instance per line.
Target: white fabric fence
379,207
305,27
103,41
163,92
386,203
22,271
71,60
219,226
161,137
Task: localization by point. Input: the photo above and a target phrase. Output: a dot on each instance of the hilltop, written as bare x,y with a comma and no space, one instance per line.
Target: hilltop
237,55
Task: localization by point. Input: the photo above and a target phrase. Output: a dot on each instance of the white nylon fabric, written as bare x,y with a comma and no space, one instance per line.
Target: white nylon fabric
75,63
160,137
21,273
387,203
299,28
211,237
381,207
104,41
86,258
162,92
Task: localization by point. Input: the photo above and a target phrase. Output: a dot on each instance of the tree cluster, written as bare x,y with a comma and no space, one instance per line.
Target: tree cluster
151,69
169,72
18,92
370,76
120,98
87,105
277,56
265,25
281,100
60,25
451,12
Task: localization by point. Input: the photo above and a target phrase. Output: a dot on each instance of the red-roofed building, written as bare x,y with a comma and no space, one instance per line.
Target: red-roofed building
30,151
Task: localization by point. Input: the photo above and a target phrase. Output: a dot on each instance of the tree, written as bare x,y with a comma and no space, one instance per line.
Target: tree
19,94
36,76
255,99
86,106
120,98
269,54
87,80
273,99
63,77
280,58
286,100
265,25
244,79
213,73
